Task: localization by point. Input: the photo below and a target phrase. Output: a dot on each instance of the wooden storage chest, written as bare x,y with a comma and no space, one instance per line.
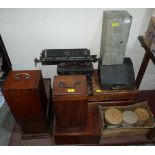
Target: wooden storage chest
25,94
70,101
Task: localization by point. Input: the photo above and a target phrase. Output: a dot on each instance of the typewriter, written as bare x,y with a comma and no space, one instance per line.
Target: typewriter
70,62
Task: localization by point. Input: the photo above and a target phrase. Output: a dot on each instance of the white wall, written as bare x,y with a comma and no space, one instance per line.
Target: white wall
26,32
153,14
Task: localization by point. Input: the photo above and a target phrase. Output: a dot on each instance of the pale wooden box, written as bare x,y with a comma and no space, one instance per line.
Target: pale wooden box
126,131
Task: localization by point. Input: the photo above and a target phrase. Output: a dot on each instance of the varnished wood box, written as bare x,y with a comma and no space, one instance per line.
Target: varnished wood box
25,94
121,130
89,135
70,101
110,97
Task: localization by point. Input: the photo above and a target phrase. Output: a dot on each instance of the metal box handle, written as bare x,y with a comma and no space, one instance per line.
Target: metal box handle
25,75
63,85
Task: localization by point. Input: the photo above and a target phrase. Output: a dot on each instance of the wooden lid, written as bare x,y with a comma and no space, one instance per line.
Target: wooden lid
142,114
130,117
113,116
23,79
70,85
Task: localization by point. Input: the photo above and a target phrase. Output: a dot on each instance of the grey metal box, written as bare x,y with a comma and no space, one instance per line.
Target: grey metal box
115,31
119,76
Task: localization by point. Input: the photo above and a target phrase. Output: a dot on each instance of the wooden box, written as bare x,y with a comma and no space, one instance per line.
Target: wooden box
37,126
43,127
25,94
125,96
89,135
70,101
122,131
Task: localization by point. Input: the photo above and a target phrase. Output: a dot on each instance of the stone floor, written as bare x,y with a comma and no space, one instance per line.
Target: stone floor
6,125
16,139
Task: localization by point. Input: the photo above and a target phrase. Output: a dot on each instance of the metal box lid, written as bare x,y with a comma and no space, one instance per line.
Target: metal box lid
117,14
115,76
70,85
24,79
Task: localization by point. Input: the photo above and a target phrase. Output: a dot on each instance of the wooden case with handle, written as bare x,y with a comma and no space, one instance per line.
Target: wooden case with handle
70,101
25,94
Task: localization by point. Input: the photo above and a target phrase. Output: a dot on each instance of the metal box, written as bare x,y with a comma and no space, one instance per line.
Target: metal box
115,31
119,76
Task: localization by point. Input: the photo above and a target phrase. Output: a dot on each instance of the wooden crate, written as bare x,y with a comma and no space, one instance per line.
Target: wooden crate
126,131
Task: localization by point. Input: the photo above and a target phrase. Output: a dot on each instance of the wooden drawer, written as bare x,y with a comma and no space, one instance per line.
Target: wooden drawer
114,95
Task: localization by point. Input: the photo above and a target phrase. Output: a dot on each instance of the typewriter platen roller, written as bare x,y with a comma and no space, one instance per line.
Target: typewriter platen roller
57,56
